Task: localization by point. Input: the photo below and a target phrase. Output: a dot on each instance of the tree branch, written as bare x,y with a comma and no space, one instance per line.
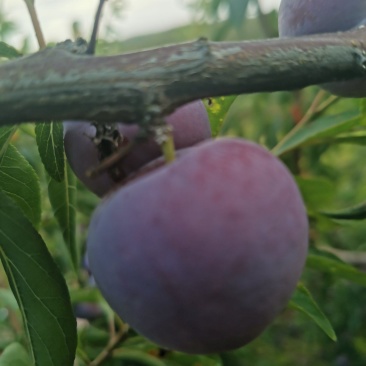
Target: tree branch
55,84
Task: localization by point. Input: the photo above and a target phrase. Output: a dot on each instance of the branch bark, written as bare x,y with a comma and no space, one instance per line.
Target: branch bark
55,84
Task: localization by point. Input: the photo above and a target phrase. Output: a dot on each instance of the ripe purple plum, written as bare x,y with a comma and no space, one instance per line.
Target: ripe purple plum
305,17
201,255
190,125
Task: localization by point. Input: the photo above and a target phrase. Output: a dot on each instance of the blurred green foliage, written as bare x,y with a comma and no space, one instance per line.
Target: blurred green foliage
330,175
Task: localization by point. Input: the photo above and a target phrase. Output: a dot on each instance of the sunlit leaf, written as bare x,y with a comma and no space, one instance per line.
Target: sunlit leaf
49,137
304,302
20,182
217,109
38,287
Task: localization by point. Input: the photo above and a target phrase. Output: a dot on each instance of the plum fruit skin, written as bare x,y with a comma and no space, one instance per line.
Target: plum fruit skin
190,126
200,255
306,17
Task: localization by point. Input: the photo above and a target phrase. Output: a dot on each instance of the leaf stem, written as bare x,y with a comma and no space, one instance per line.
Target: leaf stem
112,344
315,108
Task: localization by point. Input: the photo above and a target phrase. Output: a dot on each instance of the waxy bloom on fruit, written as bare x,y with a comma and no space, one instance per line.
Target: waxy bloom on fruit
202,254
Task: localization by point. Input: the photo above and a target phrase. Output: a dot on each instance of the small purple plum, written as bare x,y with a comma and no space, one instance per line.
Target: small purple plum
190,125
202,254
305,17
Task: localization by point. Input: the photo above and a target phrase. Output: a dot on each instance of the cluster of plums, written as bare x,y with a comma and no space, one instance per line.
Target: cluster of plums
305,17
198,255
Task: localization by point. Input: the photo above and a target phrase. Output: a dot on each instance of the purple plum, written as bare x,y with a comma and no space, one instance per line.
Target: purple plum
305,17
201,255
190,125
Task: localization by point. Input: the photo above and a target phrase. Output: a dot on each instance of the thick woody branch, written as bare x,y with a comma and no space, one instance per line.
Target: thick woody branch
55,84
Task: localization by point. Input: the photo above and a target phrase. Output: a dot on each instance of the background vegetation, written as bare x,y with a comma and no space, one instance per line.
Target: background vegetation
321,139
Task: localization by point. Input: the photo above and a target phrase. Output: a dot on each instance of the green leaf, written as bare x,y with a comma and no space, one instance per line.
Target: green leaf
6,133
182,359
330,264
86,294
15,355
325,127
217,109
357,212
62,196
49,137
349,139
7,299
304,302
8,51
20,182
136,358
38,287
237,11
316,192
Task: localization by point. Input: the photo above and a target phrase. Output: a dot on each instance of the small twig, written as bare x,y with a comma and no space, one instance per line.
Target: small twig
315,108
36,24
93,37
112,344
111,160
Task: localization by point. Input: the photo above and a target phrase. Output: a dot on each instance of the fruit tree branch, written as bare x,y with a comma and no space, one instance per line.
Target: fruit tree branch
55,84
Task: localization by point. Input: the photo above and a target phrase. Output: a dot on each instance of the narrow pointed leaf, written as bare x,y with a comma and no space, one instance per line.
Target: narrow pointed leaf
349,139
49,137
304,302
8,51
20,182
336,267
323,128
62,196
38,287
357,212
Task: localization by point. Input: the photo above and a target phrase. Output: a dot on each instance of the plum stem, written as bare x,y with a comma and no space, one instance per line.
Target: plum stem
163,135
168,150
36,24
